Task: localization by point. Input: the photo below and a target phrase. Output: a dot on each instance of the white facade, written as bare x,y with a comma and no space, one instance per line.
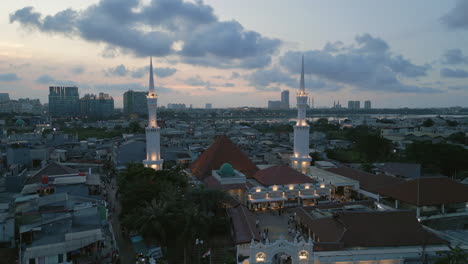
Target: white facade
302,252
299,251
153,147
301,159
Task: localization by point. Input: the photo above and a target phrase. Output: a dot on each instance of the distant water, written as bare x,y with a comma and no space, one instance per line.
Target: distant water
334,117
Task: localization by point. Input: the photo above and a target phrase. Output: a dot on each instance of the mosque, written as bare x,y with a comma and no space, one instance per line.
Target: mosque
298,214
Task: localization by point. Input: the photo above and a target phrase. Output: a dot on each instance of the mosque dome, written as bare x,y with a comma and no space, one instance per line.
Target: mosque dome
20,122
226,170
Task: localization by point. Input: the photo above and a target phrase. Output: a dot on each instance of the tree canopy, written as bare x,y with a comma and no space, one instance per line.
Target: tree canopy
444,158
428,123
164,208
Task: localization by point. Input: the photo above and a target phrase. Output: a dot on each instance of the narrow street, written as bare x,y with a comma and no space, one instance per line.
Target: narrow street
126,253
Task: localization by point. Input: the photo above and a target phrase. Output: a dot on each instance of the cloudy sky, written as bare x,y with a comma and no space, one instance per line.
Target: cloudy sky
396,53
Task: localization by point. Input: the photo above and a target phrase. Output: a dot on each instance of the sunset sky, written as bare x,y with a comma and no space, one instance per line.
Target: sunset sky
231,53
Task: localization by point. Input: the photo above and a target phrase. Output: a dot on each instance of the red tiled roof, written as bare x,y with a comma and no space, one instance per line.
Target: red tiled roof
432,191
212,183
223,150
52,169
371,229
367,181
281,175
243,222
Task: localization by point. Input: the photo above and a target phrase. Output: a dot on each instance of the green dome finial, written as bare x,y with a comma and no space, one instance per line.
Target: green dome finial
226,170
20,122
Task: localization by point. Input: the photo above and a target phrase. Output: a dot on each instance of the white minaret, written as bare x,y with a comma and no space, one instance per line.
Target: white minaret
301,159
153,149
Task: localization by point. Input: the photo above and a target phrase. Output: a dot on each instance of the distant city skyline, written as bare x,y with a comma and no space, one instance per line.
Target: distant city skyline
224,52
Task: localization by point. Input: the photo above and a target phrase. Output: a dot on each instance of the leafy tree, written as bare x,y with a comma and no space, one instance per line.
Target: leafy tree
315,156
459,137
385,121
456,255
373,148
367,167
164,208
451,123
447,159
134,127
428,123
323,125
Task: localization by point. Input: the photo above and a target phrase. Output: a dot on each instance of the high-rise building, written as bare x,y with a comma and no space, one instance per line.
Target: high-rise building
285,99
301,159
135,102
92,105
336,105
64,101
357,104
354,105
367,104
153,146
208,106
4,97
176,106
274,105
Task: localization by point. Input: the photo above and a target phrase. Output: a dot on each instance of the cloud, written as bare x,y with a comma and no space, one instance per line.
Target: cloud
270,76
268,89
229,85
457,73
366,65
77,70
45,79
457,17
9,77
209,86
121,70
458,87
49,80
164,72
229,40
159,28
275,76
121,87
454,56
196,81
109,52
234,75
333,47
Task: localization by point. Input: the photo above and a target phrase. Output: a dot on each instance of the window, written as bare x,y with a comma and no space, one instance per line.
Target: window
60,258
32,261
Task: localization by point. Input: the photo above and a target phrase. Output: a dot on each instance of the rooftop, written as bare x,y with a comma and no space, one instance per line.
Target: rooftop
281,175
348,229
427,191
367,181
331,178
244,225
223,150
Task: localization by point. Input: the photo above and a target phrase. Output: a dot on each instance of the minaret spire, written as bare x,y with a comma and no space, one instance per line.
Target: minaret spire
302,85
301,159
151,80
153,149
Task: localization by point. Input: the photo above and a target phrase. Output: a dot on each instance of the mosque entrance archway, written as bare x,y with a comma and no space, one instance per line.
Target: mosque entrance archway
281,251
282,258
